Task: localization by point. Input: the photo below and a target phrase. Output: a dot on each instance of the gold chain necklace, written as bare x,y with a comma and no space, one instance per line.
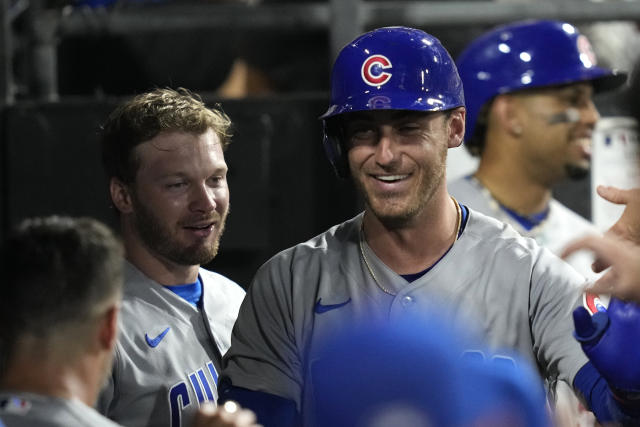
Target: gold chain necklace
366,261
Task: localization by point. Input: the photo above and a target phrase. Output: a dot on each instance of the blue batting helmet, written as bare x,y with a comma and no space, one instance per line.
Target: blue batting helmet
396,68
528,54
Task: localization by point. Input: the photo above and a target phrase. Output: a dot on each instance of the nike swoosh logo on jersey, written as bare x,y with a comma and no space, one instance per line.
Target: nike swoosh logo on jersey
323,308
153,342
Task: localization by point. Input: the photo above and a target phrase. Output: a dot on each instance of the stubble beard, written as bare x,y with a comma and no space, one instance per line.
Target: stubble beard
575,172
160,240
402,216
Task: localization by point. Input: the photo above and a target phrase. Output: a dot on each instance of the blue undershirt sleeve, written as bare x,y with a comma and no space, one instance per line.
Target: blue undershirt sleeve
604,405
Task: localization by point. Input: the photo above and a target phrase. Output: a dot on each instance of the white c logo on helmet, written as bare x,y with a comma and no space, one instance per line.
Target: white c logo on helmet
373,68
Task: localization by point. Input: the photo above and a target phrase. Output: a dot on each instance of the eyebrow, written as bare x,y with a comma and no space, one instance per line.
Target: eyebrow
216,170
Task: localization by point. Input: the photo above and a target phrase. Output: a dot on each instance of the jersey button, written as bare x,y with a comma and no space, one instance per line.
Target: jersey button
407,300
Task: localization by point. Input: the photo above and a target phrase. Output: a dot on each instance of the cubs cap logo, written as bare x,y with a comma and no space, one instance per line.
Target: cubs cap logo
379,102
373,70
587,56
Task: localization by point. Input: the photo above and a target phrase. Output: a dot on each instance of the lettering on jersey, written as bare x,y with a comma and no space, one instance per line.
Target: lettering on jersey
205,385
196,387
214,373
178,400
373,70
202,386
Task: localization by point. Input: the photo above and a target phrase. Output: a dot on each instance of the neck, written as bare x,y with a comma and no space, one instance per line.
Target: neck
413,247
55,377
154,266
507,171
514,189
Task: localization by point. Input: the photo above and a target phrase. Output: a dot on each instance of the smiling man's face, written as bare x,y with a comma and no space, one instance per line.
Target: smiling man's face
180,197
397,160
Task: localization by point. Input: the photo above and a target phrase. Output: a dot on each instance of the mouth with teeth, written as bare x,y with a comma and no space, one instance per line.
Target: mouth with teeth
201,229
581,147
390,178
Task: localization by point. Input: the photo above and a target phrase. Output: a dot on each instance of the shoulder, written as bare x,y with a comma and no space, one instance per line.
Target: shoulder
297,272
211,279
488,228
494,243
491,238
222,297
470,192
463,186
329,246
28,409
558,211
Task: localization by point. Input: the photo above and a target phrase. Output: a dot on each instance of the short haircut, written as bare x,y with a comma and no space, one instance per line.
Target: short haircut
145,116
56,272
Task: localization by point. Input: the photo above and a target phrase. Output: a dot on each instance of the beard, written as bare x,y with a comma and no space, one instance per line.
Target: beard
158,237
575,172
396,215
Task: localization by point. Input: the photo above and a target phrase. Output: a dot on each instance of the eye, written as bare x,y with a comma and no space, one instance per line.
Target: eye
217,180
409,128
359,131
577,99
362,134
176,185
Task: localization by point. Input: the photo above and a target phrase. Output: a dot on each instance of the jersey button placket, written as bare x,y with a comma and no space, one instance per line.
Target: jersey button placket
407,301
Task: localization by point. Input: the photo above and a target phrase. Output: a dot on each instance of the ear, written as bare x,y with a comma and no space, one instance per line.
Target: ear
456,126
504,110
108,333
120,195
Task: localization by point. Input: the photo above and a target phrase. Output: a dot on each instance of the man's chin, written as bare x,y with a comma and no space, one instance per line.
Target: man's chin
393,218
200,257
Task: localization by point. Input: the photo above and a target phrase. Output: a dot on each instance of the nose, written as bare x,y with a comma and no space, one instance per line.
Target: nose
589,114
203,199
386,150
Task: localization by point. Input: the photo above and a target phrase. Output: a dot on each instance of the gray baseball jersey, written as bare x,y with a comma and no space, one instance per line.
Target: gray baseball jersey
561,226
34,410
520,295
168,353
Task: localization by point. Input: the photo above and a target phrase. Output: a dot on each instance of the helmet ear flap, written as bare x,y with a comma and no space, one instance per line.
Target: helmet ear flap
333,148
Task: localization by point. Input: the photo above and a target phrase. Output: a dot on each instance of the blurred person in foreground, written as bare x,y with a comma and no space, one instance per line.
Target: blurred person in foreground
61,296
415,372
61,291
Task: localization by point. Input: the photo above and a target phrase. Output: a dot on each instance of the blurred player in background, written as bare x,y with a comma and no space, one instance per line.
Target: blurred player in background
163,152
619,248
530,118
529,90
397,105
